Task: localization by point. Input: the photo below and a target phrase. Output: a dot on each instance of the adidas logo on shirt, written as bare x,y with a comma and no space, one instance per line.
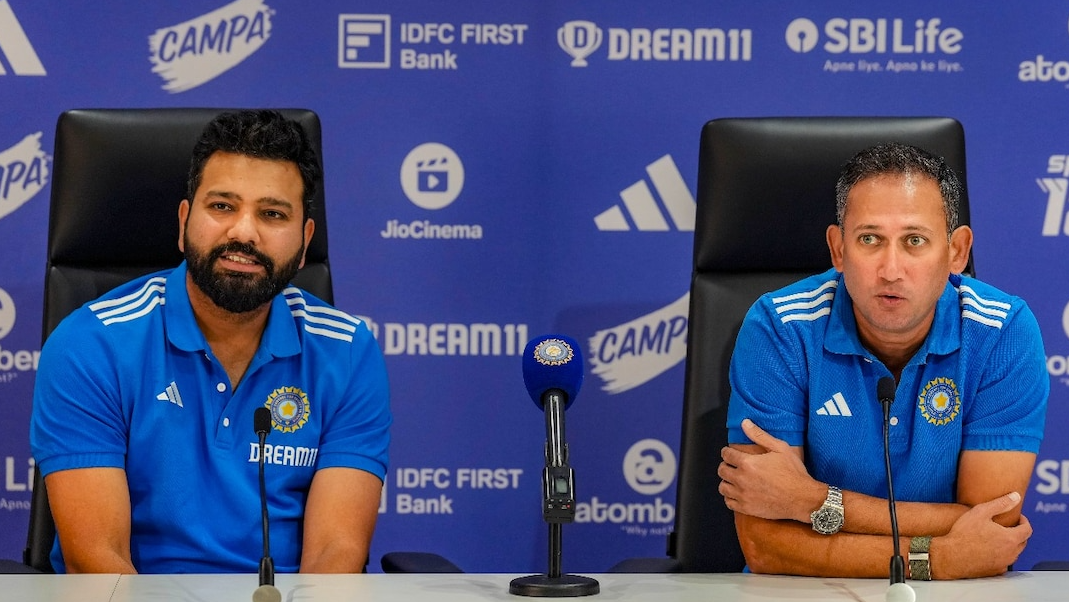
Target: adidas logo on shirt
171,394
836,406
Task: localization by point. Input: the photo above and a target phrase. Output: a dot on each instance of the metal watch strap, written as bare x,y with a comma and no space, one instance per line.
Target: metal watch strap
920,565
829,518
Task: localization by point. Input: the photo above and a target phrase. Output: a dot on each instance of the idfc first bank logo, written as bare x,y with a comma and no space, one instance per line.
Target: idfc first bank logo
197,51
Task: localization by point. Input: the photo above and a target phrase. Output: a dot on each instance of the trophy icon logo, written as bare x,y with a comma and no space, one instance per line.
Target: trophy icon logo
579,39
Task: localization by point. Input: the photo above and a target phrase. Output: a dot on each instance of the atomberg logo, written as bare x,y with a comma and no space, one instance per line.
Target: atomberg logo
189,54
1042,69
649,467
631,354
24,171
15,47
7,313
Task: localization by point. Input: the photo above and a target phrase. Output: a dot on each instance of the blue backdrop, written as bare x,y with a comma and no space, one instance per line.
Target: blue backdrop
500,170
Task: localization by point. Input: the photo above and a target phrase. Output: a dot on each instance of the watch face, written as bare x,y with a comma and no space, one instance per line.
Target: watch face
827,521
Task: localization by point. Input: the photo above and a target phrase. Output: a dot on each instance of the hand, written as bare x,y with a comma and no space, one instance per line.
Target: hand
976,545
772,483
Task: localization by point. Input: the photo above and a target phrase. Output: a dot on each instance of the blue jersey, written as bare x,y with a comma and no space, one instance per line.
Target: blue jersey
978,382
128,381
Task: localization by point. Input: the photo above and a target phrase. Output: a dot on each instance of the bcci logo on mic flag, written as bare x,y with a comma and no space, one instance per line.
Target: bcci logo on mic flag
553,352
579,39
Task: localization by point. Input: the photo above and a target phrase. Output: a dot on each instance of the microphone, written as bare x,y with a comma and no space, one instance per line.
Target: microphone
899,590
553,373
267,592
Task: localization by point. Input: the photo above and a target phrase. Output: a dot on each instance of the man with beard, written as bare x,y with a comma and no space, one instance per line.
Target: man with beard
144,398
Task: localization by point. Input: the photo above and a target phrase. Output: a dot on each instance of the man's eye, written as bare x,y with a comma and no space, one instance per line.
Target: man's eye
867,239
915,241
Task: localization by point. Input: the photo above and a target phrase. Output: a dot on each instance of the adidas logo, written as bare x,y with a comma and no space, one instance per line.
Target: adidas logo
642,207
836,406
15,47
172,395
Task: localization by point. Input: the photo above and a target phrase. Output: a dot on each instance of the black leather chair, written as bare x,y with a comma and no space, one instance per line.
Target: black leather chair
118,176
766,195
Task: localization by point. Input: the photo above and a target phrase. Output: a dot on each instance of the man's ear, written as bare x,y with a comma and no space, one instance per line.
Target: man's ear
960,245
183,214
309,230
835,245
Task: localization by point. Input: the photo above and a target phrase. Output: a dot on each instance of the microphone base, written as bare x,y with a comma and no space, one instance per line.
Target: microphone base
900,592
544,586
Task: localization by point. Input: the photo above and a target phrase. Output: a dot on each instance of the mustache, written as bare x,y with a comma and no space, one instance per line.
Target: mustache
244,249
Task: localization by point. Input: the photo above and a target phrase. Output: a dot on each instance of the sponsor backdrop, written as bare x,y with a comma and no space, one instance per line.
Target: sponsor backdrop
496,171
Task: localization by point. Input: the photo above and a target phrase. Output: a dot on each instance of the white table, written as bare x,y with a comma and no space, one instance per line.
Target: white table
1013,587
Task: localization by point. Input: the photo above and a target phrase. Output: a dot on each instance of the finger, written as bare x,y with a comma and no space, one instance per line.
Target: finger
1003,503
759,436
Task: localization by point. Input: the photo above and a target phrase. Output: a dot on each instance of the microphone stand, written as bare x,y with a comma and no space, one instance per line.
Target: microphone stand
558,507
267,592
899,590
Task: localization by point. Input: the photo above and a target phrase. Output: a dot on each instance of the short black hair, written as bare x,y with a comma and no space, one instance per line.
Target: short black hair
900,159
262,134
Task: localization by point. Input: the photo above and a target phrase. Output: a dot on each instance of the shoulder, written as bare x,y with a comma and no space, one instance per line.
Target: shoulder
804,301
986,306
132,304
321,321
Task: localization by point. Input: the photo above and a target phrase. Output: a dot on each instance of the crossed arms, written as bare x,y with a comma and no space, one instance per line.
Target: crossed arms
769,489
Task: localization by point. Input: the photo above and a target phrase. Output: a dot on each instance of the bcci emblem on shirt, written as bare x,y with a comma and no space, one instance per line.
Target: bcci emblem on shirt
939,401
289,408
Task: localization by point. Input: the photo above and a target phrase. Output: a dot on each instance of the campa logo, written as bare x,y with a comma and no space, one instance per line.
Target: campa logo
15,47
197,51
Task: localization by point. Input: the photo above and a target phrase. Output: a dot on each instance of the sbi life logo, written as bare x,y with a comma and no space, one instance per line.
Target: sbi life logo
649,467
882,36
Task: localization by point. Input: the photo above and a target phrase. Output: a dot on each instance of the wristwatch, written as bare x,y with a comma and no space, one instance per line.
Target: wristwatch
828,519
920,565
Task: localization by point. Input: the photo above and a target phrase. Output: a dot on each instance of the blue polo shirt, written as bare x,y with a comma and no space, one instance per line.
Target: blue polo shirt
978,382
128,381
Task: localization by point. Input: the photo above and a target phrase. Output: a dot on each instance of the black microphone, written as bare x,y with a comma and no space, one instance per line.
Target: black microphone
553,373
899,591
267,592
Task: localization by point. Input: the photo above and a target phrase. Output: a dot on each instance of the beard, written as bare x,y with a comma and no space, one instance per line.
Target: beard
239,292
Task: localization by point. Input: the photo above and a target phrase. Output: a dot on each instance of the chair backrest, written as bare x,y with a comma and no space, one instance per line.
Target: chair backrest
766,195
118,176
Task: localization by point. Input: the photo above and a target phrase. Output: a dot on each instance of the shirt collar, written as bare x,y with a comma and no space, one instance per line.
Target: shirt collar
280,338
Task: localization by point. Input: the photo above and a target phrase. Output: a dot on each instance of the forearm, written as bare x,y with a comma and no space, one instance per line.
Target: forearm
867,515
103,560
336,556
793,548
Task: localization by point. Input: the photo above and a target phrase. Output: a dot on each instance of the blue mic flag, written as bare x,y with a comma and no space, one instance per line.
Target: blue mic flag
552,362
